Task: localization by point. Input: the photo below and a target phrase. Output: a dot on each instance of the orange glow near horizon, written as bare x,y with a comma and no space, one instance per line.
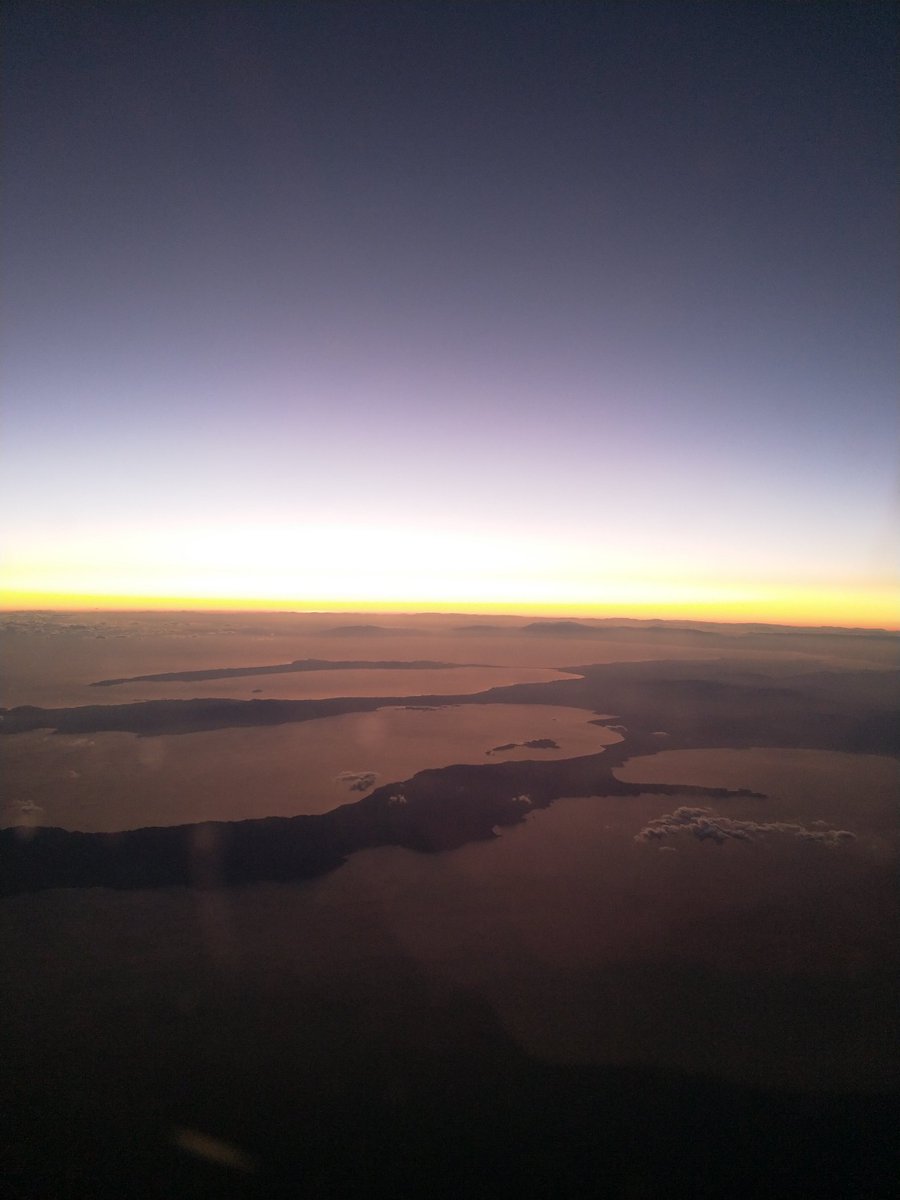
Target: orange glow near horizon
876,609
350,568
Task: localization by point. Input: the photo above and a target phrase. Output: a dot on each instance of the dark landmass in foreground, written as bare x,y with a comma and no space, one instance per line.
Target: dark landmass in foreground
409,1089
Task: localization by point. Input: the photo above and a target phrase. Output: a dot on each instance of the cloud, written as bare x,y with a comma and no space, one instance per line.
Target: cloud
705,825
23,815
357,781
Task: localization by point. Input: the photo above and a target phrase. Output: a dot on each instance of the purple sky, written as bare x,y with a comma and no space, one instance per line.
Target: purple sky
559,300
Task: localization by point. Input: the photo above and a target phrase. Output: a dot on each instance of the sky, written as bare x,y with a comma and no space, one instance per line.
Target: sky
514,307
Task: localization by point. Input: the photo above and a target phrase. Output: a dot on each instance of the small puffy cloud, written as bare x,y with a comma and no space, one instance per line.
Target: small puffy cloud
831,837
398,800
357,781
23,815
706,825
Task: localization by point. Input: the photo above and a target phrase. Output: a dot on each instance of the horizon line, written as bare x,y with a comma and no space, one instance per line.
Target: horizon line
124,606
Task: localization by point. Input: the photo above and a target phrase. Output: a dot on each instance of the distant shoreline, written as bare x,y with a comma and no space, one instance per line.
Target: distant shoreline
514,619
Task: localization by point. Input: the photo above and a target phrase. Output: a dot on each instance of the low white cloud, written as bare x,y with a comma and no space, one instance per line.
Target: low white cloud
706,825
